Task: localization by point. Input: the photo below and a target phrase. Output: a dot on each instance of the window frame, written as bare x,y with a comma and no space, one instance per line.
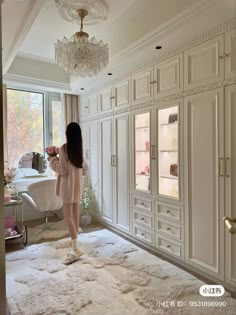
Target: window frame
47,111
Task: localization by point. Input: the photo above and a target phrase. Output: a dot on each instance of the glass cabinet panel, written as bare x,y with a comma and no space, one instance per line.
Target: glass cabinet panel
168,155
142,151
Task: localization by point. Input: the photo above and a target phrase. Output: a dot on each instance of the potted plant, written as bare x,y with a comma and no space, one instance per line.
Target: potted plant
85,202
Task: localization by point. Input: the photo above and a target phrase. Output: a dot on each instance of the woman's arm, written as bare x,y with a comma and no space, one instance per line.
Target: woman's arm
60,165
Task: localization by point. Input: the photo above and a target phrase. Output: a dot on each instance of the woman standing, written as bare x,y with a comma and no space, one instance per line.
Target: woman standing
69,183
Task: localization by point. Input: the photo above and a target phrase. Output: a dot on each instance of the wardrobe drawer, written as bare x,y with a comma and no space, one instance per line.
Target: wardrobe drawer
142,234
175,231
171,247
169,211
144,219
142,204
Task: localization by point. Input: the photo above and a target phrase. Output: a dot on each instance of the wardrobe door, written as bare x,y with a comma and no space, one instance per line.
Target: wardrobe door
105,99
121,170
94,162
122,93
230,54
93,104
142,86
106,170
230,182
142,155
204,63
86,146
168,76
204,162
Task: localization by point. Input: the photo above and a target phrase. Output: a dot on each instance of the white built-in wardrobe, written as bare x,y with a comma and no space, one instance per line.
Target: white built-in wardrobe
161,153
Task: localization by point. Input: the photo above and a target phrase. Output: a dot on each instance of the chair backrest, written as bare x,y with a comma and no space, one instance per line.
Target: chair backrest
43,194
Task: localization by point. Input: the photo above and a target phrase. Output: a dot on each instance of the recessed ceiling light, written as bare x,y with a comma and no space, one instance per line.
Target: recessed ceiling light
158,47
109,73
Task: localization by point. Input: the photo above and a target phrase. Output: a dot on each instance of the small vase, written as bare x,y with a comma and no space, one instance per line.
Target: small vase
85,219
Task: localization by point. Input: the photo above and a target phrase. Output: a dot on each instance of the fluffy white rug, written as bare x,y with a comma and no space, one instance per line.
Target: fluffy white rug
114,277
54,230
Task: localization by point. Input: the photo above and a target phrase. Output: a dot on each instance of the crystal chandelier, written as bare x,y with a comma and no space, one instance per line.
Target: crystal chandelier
80,55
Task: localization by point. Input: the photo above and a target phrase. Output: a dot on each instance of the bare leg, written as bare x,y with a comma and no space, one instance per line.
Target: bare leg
69,219
76,215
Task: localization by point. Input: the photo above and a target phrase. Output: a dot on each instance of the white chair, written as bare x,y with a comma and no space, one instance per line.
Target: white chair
42,197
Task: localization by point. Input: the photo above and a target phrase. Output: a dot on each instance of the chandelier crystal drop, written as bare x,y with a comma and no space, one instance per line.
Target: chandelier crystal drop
80,55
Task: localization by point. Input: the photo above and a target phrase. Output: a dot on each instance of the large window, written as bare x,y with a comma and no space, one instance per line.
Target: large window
34,120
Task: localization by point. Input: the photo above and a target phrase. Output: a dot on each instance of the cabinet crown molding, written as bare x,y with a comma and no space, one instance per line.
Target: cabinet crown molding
218,30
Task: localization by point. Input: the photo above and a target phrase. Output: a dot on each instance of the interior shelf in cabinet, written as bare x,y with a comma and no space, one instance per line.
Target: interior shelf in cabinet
170,124
168,150
143,127
143,174
142,151
169,177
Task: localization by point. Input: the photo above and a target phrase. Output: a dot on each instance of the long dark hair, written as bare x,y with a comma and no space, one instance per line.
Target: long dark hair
74,146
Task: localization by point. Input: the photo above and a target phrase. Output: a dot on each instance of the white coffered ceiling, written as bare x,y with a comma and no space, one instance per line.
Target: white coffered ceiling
132,30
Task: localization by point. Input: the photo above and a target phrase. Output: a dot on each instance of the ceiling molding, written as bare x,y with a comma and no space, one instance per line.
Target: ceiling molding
204,36
163,30
22,81
30,16
148,39
36,58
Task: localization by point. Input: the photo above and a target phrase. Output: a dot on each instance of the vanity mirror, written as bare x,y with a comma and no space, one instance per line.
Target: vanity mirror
32,163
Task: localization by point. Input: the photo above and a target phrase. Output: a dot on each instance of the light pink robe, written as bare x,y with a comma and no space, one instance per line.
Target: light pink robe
69,179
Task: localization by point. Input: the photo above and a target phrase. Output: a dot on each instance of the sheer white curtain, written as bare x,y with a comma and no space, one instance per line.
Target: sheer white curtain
71,108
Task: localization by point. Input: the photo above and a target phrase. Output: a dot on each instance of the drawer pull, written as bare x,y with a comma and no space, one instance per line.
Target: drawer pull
143,234
142,219
142,204
168,211
168,229
168,246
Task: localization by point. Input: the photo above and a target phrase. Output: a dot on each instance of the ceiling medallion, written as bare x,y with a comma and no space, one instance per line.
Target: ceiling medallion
68,10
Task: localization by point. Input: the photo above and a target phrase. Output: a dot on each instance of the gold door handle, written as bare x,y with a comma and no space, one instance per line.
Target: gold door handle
227,167
113,160
221,166
153,152
228,222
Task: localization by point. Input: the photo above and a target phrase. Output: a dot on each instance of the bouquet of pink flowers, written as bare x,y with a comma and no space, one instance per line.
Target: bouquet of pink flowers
52,150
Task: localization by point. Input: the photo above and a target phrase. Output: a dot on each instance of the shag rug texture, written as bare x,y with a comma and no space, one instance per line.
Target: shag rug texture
53,231
113,277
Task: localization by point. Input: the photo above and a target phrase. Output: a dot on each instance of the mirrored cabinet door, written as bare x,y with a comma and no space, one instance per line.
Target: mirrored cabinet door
142,151
168,152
